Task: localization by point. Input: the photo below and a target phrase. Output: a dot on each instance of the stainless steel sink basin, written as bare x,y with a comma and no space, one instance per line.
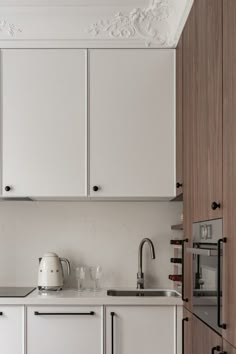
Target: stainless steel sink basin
145,292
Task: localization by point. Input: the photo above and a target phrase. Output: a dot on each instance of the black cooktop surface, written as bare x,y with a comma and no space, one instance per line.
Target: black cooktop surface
15,291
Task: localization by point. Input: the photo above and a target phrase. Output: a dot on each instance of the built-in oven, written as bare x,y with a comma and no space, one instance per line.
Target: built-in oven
207,252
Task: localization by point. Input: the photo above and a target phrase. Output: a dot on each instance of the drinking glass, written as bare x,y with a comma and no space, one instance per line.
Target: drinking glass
95,273
80,273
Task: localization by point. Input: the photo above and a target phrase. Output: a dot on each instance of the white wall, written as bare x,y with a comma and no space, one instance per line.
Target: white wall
89,233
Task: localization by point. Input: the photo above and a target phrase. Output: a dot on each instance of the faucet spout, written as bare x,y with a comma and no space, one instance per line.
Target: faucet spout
140,274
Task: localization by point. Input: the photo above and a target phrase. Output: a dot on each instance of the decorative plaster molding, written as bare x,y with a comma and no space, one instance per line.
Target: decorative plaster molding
140,23
9,28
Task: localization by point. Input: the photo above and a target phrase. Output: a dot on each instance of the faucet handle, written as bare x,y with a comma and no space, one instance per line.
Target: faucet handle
140,280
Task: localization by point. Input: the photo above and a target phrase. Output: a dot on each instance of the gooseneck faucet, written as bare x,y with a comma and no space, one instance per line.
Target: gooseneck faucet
140,274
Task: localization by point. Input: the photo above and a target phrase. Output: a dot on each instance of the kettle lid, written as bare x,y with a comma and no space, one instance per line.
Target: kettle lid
50,254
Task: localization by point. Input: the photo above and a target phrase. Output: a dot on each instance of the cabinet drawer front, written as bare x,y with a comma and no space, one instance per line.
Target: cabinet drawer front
57,329
12,329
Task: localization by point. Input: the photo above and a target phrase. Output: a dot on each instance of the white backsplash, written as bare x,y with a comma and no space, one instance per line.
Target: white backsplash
87,233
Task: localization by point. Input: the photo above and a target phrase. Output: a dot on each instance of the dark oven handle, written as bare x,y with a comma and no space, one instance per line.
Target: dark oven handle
183,287
219,243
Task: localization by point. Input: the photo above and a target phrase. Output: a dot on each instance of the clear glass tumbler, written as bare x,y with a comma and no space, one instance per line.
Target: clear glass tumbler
96,273
80,273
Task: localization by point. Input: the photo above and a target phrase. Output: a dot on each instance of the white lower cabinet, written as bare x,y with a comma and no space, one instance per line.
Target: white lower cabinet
65,330
11,329
141,329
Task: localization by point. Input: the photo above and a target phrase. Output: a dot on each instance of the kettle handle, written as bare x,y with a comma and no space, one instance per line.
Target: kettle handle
67,263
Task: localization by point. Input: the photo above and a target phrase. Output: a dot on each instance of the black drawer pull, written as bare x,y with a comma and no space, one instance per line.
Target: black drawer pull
112,332
1,313
91,313
215,349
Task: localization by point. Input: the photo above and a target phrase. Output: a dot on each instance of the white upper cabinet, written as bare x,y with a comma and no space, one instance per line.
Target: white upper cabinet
12,330
44,100
132,123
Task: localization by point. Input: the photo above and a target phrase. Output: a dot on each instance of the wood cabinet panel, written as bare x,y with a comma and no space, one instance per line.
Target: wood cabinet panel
202,62
204,339
187,328
187,43
228,349
229,168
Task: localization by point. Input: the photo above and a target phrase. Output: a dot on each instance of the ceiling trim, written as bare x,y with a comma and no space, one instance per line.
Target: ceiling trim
158,24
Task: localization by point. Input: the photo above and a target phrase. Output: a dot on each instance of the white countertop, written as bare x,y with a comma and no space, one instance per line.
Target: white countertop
73,297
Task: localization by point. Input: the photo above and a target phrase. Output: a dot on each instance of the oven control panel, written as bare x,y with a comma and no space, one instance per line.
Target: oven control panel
206,232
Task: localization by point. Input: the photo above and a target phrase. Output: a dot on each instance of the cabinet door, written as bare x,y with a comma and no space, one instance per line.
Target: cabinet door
179,118
132,329
187,333
43,122
228,349
132,123
61,330
204,339
12,329
187,46
203,94
229,148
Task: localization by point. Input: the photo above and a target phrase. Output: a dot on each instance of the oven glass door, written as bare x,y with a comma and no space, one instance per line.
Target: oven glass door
207,285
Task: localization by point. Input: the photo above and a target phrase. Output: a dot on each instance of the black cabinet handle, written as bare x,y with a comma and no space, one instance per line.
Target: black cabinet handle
219,292
215,349
112,332
7,188
215,205
179,185
95,188
91,313
183,337
183,285
1,313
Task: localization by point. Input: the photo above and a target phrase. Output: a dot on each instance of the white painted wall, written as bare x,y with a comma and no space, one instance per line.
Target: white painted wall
87,233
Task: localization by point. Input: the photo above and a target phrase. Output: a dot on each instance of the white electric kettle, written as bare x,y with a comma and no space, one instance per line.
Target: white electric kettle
50,275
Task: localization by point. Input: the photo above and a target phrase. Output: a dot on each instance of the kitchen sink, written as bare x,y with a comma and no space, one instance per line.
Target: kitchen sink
145,292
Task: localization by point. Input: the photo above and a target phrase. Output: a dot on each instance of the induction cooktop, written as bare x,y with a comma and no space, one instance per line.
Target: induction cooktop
15,291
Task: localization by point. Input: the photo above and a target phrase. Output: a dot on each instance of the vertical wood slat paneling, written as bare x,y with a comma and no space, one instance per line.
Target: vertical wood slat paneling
187,42
203,104
228,348
229,170
204,338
